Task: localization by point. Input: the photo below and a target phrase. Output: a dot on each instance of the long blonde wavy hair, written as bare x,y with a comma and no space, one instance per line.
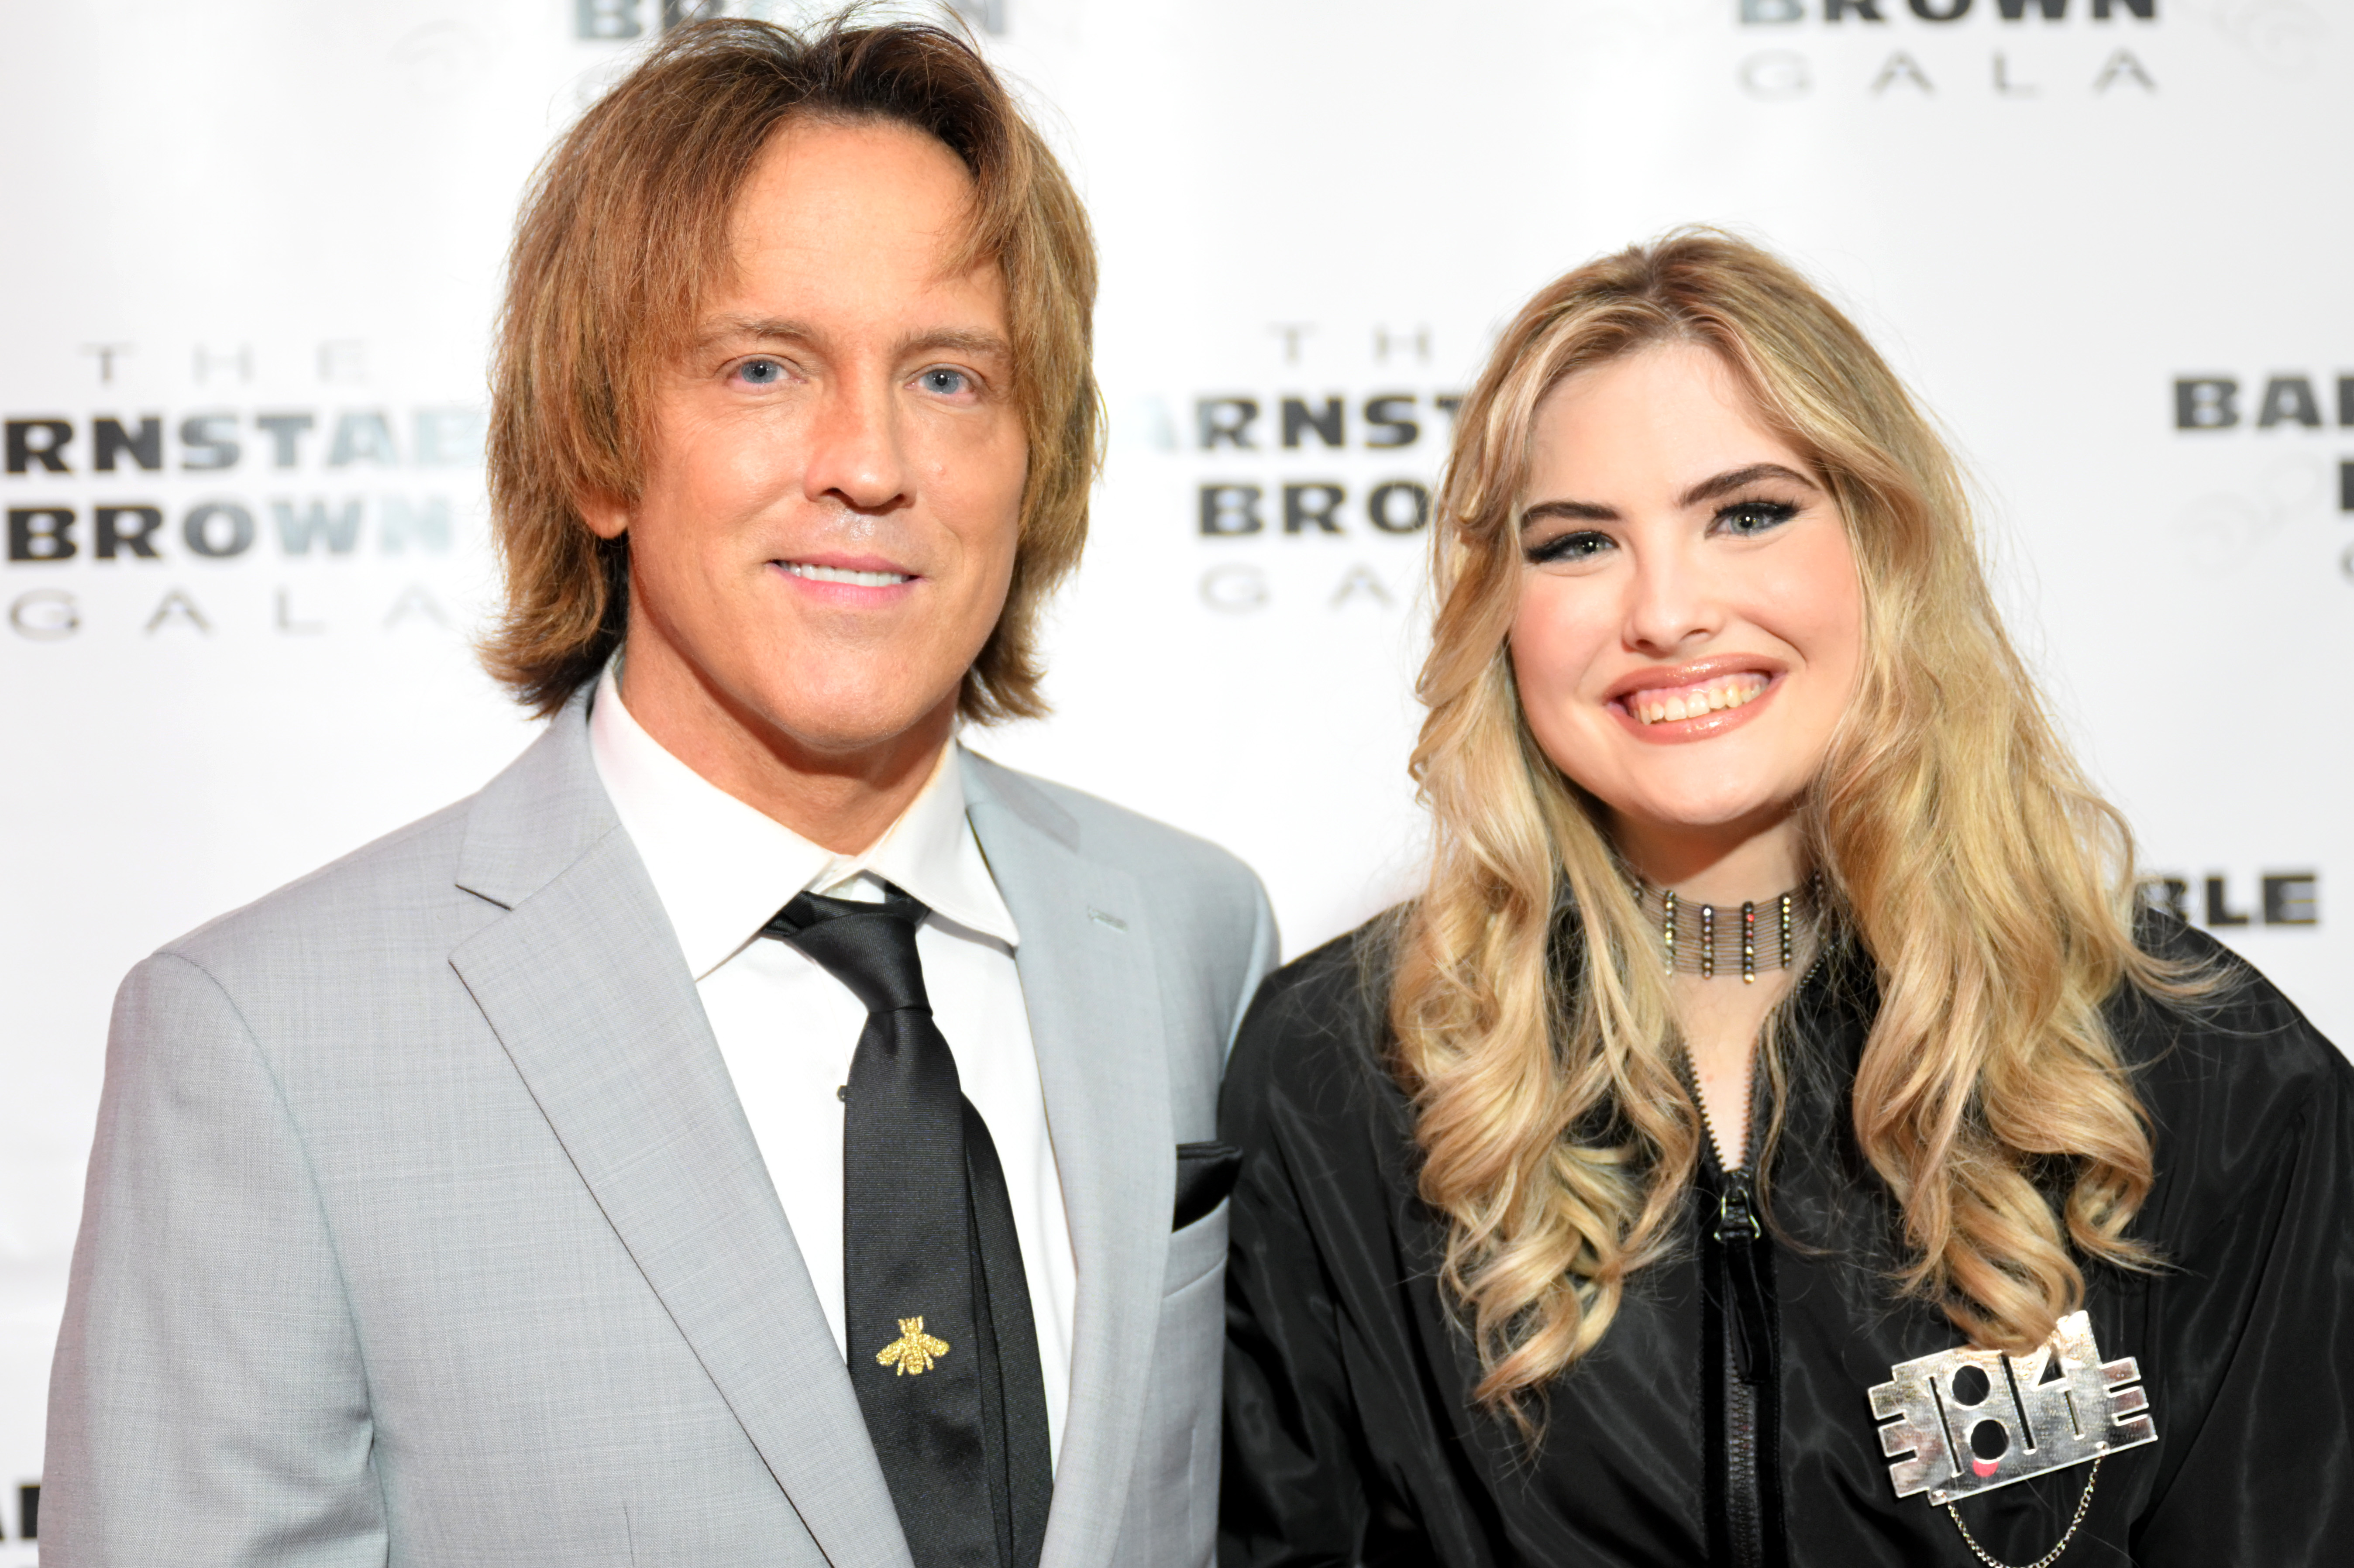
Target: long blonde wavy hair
1956,841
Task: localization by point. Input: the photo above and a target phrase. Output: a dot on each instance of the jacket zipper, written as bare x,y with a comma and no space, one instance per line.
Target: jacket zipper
1748,1364
1749,1359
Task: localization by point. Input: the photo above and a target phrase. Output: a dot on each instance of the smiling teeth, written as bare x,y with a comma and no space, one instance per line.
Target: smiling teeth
1691,702
843,575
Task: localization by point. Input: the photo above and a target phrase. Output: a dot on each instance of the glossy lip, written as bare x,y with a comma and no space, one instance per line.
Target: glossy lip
1708,726
845,595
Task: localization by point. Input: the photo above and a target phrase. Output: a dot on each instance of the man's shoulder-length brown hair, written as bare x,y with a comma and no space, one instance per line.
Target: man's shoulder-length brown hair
626,229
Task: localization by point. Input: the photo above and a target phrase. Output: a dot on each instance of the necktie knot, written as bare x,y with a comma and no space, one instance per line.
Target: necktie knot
870,947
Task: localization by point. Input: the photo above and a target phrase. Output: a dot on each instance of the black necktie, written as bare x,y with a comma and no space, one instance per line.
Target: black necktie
943,1352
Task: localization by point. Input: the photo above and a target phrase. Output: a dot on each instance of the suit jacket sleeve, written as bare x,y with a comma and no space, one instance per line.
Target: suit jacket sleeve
208,1403
1266,947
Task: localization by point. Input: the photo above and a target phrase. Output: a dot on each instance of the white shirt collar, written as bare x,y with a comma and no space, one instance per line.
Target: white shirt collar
722,868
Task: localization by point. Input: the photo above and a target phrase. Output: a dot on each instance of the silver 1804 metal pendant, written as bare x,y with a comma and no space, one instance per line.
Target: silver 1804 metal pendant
1976,1420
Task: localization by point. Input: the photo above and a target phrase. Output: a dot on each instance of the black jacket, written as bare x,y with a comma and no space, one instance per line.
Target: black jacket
1351,1435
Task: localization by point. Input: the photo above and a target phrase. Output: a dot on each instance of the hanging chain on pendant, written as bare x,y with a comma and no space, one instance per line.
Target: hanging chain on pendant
2050,1557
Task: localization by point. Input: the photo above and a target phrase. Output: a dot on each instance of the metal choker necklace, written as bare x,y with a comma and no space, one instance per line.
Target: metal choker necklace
1706,940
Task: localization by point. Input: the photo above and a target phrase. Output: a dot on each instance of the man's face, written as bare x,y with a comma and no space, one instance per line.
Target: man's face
829,510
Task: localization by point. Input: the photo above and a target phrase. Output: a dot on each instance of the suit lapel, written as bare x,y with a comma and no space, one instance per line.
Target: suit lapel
583,982
1088,981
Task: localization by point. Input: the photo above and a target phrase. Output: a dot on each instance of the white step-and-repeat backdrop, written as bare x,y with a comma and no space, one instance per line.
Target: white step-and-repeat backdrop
252,248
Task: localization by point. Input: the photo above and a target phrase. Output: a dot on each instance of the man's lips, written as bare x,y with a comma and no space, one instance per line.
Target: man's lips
1698,701
854,572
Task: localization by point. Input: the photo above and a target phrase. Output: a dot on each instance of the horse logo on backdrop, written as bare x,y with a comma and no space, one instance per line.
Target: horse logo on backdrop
1976,1420
914,1351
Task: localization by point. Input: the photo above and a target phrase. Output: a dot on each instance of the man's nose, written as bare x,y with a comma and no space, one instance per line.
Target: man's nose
854,454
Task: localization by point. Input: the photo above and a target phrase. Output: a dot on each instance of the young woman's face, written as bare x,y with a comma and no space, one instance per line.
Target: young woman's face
1689,627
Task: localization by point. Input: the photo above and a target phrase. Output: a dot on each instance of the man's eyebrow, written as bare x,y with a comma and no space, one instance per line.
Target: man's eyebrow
1734,478
957,340
761,328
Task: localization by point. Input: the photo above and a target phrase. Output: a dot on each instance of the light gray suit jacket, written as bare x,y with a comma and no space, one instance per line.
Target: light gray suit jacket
424,1226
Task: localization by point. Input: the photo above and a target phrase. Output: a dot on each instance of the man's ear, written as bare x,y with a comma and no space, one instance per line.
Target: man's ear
606,517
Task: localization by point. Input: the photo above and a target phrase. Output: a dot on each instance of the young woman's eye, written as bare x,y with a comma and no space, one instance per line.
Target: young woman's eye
945,381
760,372
1569,548
1748,519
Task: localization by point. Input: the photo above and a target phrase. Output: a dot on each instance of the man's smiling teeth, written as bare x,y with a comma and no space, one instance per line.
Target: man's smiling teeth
1691,701
844,574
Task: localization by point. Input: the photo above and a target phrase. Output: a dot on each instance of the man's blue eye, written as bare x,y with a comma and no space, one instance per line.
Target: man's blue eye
946,383
763,372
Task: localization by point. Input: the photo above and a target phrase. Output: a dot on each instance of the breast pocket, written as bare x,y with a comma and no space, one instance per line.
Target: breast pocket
1206,1174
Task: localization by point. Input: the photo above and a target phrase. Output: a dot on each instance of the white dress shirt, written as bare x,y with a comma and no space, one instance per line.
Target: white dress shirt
787,1028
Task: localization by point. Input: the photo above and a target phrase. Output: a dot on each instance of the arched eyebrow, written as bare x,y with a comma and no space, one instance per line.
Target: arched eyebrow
1706,490
1725,483
1569,512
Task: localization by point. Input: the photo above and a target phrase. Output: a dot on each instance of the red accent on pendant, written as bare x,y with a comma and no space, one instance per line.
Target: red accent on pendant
1985,1468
